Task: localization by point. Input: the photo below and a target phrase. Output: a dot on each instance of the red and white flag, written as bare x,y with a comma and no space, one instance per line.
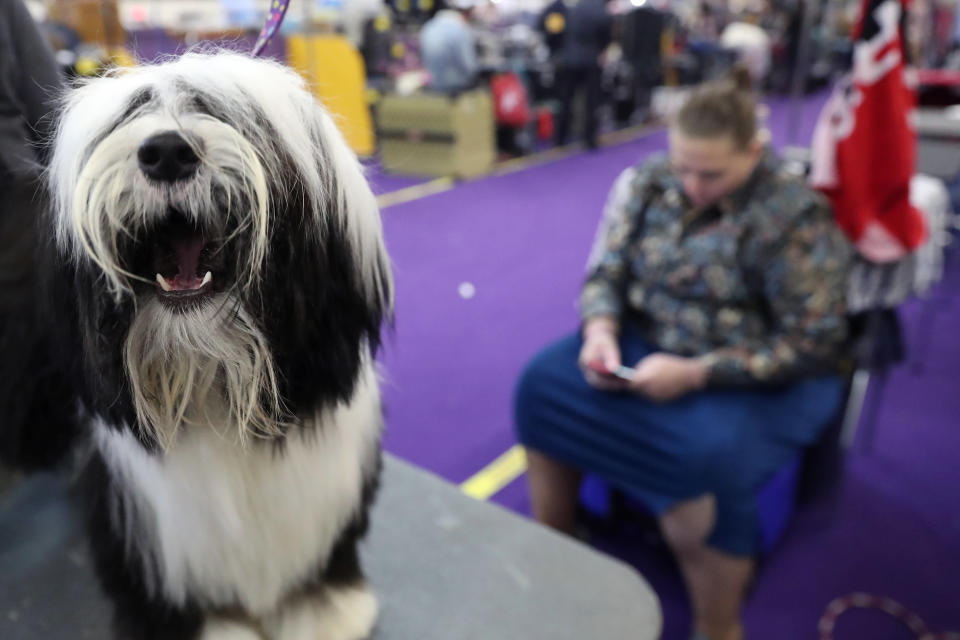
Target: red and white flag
864,145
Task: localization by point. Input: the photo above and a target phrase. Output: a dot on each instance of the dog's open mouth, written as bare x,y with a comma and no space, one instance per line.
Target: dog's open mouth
188,264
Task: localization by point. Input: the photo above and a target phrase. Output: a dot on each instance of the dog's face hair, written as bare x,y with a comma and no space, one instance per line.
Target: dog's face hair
226,254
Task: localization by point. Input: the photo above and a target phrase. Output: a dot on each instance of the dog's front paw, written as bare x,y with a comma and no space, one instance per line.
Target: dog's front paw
223,629
332,613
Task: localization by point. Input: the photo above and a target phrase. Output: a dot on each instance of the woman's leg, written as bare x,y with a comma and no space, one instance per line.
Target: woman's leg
751,436
554,491
716,581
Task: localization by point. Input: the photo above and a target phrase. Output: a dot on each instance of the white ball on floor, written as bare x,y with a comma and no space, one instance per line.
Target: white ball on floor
466,290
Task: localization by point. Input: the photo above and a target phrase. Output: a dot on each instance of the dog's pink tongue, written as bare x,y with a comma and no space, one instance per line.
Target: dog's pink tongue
188,257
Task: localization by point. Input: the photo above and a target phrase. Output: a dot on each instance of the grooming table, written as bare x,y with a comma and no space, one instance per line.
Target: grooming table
445,567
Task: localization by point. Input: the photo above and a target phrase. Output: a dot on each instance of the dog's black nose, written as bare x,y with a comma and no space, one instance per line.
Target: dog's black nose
167,157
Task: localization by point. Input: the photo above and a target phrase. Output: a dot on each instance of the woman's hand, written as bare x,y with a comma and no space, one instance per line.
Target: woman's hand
600,355
663,377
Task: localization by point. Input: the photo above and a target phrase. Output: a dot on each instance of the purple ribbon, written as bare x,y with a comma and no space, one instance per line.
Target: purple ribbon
278,9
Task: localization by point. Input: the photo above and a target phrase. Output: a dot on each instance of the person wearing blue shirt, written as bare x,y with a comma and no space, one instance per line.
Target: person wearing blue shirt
448,48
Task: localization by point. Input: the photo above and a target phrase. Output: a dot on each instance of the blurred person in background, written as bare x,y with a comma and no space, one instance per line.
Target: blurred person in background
35,422
448,48
752,45
354,16
589,31
720,278
552,25
706,22
30,84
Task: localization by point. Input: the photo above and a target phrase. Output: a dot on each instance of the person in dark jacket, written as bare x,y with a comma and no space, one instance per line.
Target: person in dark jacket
30,84
552,24
588,33
35,414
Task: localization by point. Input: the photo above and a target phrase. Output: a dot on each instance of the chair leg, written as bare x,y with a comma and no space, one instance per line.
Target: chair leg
869,419
855,399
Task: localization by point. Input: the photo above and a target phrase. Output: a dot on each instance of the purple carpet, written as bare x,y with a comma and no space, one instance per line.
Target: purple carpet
383,182
521,241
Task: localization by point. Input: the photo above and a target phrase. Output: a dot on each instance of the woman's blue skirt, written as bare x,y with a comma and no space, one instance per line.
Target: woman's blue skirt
725,442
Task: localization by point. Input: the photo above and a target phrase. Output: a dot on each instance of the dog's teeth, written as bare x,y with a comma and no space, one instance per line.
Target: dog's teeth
207,278
163,283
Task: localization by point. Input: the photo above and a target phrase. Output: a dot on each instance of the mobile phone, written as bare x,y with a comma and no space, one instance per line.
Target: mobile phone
625,373
622,372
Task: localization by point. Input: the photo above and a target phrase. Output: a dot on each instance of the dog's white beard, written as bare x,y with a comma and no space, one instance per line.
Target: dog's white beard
209,367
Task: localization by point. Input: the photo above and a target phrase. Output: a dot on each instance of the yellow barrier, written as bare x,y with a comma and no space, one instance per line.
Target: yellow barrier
335,73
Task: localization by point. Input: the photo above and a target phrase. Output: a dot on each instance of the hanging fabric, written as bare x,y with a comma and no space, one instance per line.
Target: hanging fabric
864,149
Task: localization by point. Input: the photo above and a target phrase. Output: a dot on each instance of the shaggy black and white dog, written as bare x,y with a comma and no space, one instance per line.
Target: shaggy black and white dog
223,278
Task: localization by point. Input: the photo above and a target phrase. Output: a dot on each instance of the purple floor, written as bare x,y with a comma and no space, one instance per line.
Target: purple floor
521,241
383,182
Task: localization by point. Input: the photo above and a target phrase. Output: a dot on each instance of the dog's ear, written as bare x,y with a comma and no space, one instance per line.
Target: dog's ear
326,287
352,205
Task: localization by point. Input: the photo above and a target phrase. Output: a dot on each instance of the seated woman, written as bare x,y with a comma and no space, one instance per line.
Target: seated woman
720,278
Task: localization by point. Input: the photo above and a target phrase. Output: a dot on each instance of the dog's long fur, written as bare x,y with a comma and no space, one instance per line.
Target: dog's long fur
235,443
